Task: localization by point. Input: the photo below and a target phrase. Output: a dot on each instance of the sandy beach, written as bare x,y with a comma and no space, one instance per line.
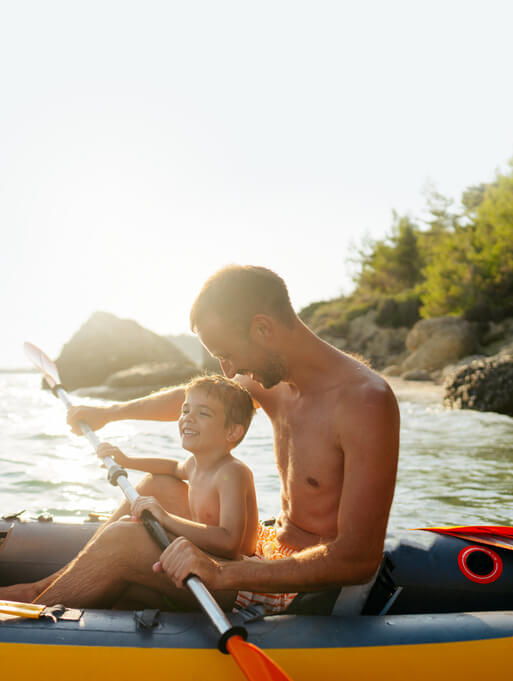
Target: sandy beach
416,391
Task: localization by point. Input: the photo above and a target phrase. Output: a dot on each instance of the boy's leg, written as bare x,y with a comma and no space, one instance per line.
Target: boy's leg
172,493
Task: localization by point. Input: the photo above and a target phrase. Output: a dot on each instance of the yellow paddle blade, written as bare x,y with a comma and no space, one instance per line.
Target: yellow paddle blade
32,610
254,663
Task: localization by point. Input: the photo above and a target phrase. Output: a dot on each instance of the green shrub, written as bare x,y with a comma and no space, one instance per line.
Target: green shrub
393,312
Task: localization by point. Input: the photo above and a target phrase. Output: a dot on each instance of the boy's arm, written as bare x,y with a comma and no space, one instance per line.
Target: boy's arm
165,405
178,469
224,540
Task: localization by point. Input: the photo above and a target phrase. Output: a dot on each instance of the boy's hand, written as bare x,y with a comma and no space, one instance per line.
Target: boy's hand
148,504
182,558
106,449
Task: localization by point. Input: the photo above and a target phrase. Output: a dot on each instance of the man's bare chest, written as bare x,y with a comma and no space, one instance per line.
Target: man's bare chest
307,445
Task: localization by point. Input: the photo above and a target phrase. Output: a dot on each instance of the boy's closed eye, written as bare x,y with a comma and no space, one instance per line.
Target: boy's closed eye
203,412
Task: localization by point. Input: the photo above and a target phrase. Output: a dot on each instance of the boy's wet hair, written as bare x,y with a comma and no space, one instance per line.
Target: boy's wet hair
237,293
236,400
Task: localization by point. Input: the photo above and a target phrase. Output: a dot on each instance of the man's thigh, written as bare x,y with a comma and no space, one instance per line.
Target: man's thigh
144,587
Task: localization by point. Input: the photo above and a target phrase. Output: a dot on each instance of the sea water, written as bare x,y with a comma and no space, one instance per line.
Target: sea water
455,467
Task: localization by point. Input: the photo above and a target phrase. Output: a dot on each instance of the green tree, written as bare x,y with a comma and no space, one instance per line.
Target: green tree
470,267
391,265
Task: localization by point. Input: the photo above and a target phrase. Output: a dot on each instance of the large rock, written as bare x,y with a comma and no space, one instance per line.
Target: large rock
153,374
193,348
434,343
106,344
483,385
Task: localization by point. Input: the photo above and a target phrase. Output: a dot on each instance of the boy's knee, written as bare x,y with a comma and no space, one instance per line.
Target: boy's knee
171,493
161,486
151,484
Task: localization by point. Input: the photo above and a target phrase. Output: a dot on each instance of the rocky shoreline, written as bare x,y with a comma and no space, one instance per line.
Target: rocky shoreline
471,363
467,366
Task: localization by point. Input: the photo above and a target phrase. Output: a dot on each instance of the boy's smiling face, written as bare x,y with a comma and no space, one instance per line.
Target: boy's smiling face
202,424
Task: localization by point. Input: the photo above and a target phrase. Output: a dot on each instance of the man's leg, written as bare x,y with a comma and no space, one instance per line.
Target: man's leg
118,557
172,493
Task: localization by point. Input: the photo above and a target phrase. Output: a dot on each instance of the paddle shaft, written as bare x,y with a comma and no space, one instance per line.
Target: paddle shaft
118,476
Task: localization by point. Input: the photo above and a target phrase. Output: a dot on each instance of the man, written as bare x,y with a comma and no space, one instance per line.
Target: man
336,428
336,436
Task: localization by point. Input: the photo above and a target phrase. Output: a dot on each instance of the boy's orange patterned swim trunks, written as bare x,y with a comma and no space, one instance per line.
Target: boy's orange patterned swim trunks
268,547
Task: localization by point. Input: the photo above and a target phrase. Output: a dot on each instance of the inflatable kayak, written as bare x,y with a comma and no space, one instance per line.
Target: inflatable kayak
452,617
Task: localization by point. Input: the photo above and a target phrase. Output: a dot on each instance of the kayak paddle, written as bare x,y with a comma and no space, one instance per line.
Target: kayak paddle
493,535
29,610
253,662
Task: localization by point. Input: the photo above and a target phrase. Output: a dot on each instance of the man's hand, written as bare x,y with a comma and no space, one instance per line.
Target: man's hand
182,558
95,417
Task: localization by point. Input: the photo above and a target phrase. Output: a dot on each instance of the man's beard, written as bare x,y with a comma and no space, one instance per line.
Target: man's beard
273,373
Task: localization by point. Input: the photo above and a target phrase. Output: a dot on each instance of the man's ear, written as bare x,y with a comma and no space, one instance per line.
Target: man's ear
235,432
261,328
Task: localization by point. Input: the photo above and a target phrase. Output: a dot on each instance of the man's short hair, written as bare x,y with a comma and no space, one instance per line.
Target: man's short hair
237,293
236,400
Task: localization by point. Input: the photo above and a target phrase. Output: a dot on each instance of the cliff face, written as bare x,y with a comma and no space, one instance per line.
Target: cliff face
106,345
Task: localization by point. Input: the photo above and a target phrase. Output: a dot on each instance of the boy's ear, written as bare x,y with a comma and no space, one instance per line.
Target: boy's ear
234,432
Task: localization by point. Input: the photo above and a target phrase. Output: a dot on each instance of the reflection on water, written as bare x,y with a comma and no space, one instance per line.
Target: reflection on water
456,467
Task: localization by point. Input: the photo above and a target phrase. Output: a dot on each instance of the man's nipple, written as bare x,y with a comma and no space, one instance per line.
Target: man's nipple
313,482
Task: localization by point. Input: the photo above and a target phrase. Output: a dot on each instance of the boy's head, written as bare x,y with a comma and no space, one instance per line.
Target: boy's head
216,407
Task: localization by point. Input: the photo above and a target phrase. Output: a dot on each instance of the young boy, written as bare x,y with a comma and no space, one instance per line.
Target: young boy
223,515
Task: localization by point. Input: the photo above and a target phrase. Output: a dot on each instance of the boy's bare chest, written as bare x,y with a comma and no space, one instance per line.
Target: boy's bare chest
203,500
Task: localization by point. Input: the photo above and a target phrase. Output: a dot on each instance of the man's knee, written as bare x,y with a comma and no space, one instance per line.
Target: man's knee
116,534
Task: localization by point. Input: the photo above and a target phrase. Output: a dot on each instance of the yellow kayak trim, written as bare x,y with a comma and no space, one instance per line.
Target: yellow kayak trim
469,660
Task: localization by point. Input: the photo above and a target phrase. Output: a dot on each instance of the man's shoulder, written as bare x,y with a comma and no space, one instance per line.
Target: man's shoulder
360,386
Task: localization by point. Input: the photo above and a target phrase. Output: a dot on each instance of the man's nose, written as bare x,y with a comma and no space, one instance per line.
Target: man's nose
227,367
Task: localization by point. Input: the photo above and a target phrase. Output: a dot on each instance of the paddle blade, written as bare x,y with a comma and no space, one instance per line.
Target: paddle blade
43,363
493,535
31,610
254,663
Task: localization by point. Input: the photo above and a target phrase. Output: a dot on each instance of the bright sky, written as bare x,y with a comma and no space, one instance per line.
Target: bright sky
143,145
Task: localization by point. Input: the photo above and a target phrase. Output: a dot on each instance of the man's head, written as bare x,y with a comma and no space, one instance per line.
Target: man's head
237,293
235,314
216,412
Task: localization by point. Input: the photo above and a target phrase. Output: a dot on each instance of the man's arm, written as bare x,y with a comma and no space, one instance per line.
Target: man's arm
370,463
162,406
